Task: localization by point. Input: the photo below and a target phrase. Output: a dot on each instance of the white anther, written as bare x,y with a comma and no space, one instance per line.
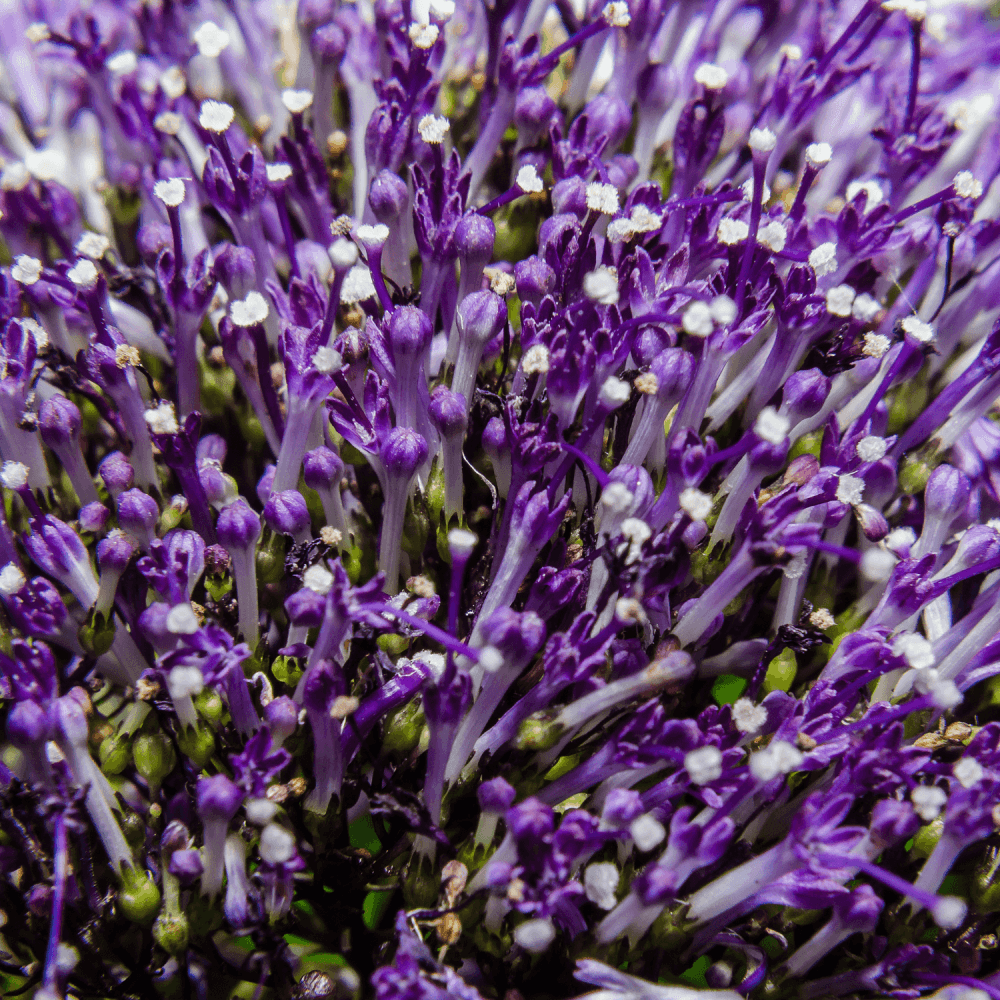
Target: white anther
748,717
216,116
711,77
528,180
695,504
433,129
704,764
850,489
732,231
26,270
823,259
762,140
296,101
839,300
211,40
249,311
170,192
818,154
601,285
771,426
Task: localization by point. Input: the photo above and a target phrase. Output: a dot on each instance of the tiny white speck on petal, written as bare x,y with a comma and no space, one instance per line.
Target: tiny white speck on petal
211,40
249,311
711,77
850,489
601,285
839,300
771,426
26,270
762,140
170,192
966,186
83,274
918,329
695,504
617,14
296,101
358,285
93,245
11,580
278,172
216,116
528,180
697,320
14,475
162,419
433,129
732,231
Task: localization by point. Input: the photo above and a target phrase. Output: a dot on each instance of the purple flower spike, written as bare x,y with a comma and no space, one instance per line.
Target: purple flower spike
238,529
402,454
217,800
59,424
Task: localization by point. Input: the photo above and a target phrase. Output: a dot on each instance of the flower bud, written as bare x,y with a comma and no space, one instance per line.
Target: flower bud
448,411
410,331
475,235
403,452
117,473
388,196
138,514
238,527
804,394
59,422
534,279
323,468
286,513
282,717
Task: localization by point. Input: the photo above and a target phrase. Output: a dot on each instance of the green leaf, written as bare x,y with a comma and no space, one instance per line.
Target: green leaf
728,688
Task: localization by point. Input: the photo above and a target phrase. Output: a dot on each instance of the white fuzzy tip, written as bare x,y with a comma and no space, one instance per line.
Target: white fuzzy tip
528,180
277,845
423,36
839,300
122,63
695,504
249,311
162,419
11,580
46,164
343,254
748,717
762,140
704,764
535,935
37,32
819,154
372,237
278,172
647,831
771,426
26,270
968,772
602,198
871,448
850,489
928,801
185,682
92,245
14,177
358,285
616,500
83,274
697,320
170,192
461,543
535,360
915,649
601,285
778,757
711,77
823,259
773,236
875,345
172,82
822,618
216,116
614,393
296,101
966,186
261,811
617,15
181,620
433,129
327,361
600,884
732,231
874,193
915,10
919,330
318,579
490,659
211,40
949,913
14,475
865,308
168,122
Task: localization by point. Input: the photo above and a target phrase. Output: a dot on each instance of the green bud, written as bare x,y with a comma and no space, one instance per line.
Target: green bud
808,444
154,757
402,728
416,527
781,672
394,645
133,828
171,932
138,897
539,732
927,837
271,559
114,753
209,706
913,475
96,634
197,743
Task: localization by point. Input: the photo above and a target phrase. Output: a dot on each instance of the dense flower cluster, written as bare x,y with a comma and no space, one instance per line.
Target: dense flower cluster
499,499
